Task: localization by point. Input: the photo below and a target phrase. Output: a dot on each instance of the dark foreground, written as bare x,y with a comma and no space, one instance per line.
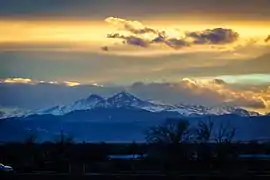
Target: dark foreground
130,176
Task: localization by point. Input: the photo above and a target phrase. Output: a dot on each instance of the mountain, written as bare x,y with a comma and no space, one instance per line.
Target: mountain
91,102
12,112
199,110
125,99
122,99
99,124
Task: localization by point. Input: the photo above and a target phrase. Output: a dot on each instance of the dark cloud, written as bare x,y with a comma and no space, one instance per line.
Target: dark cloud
214,36
267,39
131,40
219,81
105,48
171,42
176,43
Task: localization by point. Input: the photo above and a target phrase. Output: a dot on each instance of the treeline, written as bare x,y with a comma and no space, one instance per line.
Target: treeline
172,146
57,157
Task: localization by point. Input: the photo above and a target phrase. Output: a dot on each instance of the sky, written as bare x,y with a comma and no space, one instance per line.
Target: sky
177,51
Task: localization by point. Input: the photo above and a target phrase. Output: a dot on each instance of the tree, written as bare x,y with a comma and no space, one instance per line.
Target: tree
225,134
225,151
204,131
173,131
62,151
31,153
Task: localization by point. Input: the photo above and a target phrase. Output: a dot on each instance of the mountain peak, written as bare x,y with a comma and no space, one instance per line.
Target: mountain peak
124,98
124,94
94,97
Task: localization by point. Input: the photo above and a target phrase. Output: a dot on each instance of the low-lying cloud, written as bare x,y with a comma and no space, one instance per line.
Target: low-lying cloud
206,92
210,92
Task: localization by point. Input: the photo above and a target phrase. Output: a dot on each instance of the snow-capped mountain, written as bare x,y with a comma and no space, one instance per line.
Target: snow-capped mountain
93,101
199,110
124,99
12,112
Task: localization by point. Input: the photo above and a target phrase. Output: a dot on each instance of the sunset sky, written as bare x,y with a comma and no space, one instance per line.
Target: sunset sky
209,48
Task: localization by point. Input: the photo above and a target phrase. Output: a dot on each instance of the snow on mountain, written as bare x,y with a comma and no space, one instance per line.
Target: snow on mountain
125,99
12,112
93,101
198,110
122,99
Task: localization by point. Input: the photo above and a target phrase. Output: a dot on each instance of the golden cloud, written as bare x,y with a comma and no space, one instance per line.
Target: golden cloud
249,98
139,35
71,83
18,80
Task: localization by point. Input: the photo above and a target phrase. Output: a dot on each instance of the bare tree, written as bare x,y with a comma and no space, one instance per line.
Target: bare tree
225,151
173,131
204,131
225,134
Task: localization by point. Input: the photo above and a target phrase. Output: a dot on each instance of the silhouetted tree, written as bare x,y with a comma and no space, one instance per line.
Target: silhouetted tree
62,151
204,131
173,131
225,134
31,153
225,151
172,135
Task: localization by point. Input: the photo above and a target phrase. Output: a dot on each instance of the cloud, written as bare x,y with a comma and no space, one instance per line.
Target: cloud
131,40
105,48
71,83
213,36
17,80
216,36
171,42
34,82
47,94
210,92
206,92
134,27
219,81
267,39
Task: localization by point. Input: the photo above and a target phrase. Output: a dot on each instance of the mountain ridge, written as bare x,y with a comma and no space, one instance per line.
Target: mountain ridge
125,99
